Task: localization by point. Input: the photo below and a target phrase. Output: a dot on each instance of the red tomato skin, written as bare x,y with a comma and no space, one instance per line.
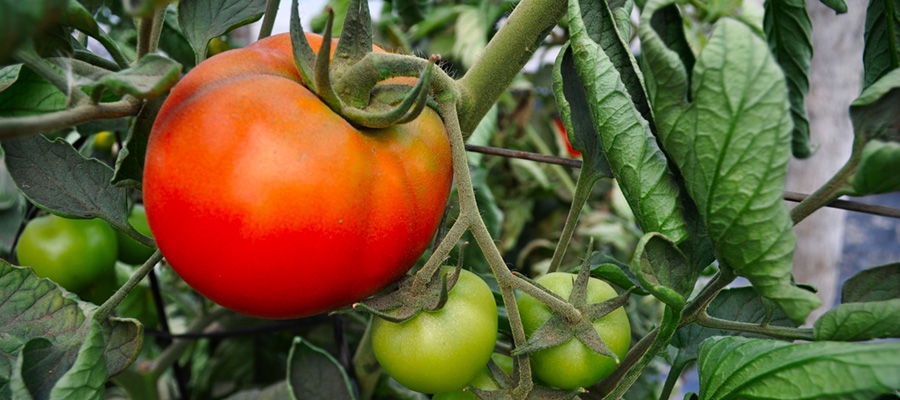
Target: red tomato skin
270,204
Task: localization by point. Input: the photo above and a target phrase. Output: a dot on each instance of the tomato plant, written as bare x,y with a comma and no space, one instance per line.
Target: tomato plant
572,364
244,163
75,253
284,184
444,350
130,250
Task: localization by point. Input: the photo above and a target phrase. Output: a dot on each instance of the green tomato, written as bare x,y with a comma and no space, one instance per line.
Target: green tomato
441,351
104,141
572,364
131,251
75,253
484,380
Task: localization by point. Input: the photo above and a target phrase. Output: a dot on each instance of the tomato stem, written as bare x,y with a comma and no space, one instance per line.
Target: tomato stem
34,124
505,55
583,188
109,305
269,19
836,187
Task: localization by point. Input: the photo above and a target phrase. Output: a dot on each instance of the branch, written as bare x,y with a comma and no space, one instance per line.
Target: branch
35,124
504,57
778,332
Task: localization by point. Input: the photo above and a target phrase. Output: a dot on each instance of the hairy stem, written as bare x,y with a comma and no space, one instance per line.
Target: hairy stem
110,304
269,19
582,191
424,275
504,57
631,358
706,295
674,373
778,332
836,187
145,31
34,124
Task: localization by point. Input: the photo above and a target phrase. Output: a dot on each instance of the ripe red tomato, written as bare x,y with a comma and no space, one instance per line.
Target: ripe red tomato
270,204
560,130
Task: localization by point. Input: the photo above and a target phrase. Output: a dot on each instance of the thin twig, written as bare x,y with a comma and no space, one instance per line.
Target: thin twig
873,209
34,124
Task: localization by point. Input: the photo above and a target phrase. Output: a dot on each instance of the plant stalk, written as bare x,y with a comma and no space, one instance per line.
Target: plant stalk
678,367
504,57
174,351
778,332
583,188
836,187
109,305
34,124
269,19
706,295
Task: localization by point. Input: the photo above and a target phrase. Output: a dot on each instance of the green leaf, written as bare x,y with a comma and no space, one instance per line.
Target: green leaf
740,304
874,112
839,6
572,102
668,22
600,26
731,145
873,284
173,42
634,156
29,95
663,270
87,377
739,368
58,179
788,31
313,373
9,75
149,78
203,20
881,53
130,162
860,321
621,10
49,338
877,170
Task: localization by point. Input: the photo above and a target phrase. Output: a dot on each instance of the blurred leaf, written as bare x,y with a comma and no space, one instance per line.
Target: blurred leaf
277,391
740,101
58,179
20,20
881,53
313,373
51,343
78,17
877,171
860,321
471,34
740,304
202,20
839,6
129,170
873,284
149,78
788,30
9,75
736,367
29,95
412,11
317,23
482,135
663,270
639,165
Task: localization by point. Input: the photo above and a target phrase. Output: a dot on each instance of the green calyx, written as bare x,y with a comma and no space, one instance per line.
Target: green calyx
350,81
